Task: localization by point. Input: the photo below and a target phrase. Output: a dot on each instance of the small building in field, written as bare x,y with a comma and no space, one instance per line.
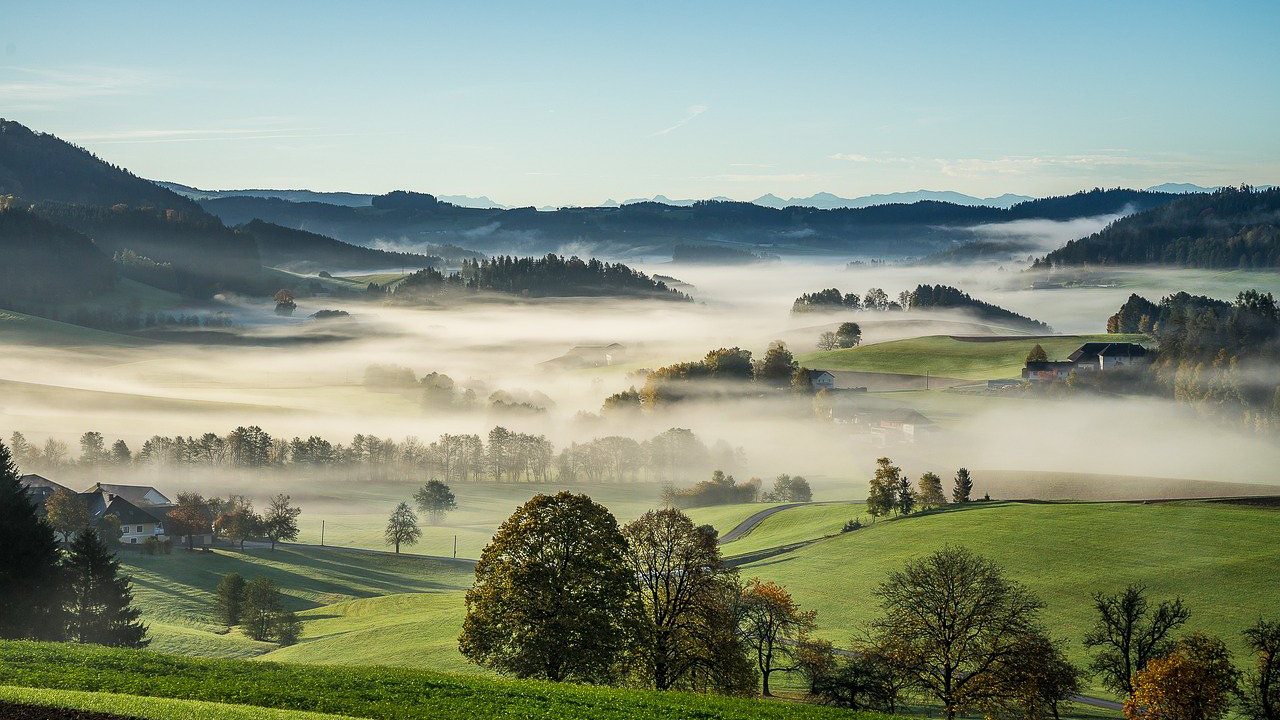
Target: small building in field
1042,370
1103,356
822,380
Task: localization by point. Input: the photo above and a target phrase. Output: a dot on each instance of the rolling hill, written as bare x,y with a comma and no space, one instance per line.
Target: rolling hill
302,251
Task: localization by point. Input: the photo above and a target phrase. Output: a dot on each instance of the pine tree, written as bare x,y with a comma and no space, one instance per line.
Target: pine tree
30,576
906,496
964,486
100,598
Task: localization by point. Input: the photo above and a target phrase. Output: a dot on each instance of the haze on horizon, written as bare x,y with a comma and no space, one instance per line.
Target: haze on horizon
580,103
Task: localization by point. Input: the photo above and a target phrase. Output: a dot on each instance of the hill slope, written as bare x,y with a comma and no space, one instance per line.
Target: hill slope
42,263
303,251
1229,228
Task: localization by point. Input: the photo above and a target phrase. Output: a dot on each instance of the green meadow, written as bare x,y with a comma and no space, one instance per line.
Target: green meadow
976,358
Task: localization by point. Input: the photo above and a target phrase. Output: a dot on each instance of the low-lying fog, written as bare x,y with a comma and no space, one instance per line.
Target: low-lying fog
302,377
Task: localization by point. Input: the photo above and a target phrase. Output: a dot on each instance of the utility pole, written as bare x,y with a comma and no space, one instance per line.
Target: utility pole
321,533
926,379
455,547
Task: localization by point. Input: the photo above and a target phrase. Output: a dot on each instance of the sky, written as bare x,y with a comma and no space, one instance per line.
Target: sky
576,103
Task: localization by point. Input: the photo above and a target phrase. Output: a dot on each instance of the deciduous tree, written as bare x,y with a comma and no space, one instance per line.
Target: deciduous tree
554,594
883,497
189,518
281,520
954,620
435,499
1194,681
1261,688
402,527
1128,634
228,599
67,512
931,495
773,624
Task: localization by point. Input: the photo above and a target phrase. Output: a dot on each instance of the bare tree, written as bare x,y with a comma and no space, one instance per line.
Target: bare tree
1128,634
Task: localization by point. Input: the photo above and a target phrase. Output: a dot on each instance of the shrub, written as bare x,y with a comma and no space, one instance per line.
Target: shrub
852,525
150,545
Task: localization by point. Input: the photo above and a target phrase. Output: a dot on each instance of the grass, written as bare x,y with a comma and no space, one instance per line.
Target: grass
149,708
797,524
176,591
946,356
373,692
1220,559
417,630
725,517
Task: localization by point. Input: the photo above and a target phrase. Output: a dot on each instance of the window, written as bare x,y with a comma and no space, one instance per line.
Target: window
133,541
139,528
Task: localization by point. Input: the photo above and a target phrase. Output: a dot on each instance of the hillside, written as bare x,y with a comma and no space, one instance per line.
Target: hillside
971,358
302,251
1229,228
39,167
892,230
946,297
42,264
68,186
379,693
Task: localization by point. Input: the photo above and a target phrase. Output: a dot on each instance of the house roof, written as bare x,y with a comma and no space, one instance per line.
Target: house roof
1108,349
33,481
905,415
815,374
136,494
128,513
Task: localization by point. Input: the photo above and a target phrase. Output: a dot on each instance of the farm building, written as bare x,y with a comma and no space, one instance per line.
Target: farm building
1089,357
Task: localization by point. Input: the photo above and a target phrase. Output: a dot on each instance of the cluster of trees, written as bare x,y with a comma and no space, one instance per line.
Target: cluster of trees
439,391
233,517
923,297
832,300
1213,354
722,371
701,254
891,491
1229,228
722,489
653,603
848,335
43,264
435,500
257,607
502,456
548,276
48,594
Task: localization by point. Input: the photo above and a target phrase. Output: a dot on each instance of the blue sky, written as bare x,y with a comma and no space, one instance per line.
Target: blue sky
575,103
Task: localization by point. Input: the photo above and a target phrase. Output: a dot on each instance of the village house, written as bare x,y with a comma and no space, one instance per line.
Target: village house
1089,357
140,509
822,380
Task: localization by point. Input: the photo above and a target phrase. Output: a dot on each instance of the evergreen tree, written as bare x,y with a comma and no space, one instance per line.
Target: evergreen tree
30,577
100,598
228,601
963,488
906,496
1037,354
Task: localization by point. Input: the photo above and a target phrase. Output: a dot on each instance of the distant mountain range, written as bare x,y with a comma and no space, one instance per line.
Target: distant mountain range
345,199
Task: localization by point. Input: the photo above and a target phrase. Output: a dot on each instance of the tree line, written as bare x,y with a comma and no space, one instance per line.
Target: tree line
501,456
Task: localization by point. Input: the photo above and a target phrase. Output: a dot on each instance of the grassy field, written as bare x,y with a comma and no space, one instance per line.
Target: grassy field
418,630
946,356
151,708
373,692
176,591
1219,558
725,517
797,524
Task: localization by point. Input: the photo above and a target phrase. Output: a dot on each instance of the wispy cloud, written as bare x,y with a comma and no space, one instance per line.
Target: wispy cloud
693,112
877,160
27,88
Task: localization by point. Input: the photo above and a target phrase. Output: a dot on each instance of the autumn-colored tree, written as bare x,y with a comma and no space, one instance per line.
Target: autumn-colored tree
931,494
773,624
801,382
190,517
954,620
1195,681
1037,681
554,594
402,527
883,497
66,512
688,628
285,304
1037,354
238,523
777,366
1261,691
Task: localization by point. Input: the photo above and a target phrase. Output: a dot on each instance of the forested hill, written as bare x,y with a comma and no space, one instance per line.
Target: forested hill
1228,228
304,251
38,167
945,296
899,229
550,276
43,264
